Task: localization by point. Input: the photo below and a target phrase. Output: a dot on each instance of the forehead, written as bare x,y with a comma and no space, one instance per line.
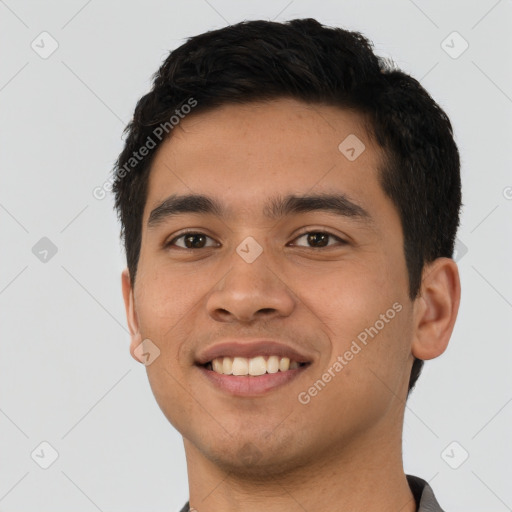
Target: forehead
284,128
244,153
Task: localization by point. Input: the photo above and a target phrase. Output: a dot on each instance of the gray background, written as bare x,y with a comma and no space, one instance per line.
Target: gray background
66,376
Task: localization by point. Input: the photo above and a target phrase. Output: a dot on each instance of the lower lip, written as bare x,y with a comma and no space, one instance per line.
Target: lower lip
248,385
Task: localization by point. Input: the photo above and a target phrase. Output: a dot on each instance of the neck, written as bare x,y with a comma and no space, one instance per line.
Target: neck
365,474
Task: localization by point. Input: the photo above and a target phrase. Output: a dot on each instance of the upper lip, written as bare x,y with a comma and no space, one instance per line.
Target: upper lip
240,348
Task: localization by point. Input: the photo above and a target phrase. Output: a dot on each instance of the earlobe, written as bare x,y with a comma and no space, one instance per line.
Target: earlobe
436,308
131,314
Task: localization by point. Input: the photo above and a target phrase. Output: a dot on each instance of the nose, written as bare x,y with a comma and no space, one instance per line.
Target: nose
250,291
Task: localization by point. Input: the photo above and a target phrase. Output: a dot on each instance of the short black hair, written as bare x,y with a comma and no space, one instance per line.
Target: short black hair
302,59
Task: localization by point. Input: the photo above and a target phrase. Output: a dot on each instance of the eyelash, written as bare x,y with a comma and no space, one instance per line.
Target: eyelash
185,233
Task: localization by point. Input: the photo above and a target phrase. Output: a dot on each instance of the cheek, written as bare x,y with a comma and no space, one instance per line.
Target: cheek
364,310
165,297
170,305
166,303
352,296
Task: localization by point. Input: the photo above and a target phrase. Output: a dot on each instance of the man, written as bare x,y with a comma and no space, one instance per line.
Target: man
289,204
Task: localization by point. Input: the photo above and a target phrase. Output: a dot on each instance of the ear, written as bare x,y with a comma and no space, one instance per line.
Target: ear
131,314
436,308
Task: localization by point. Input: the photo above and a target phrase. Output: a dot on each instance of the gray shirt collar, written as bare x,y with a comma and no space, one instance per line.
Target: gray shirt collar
422,492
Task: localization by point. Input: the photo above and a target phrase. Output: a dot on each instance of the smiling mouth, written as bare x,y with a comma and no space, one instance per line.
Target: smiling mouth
253,366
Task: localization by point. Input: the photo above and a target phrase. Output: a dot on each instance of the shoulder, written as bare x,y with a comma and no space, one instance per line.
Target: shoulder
423,494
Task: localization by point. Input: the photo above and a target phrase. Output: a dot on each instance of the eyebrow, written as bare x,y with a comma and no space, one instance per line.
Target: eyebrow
275,208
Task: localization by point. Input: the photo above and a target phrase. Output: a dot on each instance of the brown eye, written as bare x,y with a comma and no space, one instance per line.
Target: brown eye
318,239
190,241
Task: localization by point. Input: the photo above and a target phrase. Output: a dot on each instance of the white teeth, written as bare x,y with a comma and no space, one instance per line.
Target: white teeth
257,366
240,366
217,365
227,366
273,364
254,366
284,364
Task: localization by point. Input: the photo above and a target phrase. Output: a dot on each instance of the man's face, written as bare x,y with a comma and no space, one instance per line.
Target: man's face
323,280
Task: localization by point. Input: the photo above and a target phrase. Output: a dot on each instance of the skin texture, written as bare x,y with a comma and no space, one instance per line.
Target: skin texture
342,450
